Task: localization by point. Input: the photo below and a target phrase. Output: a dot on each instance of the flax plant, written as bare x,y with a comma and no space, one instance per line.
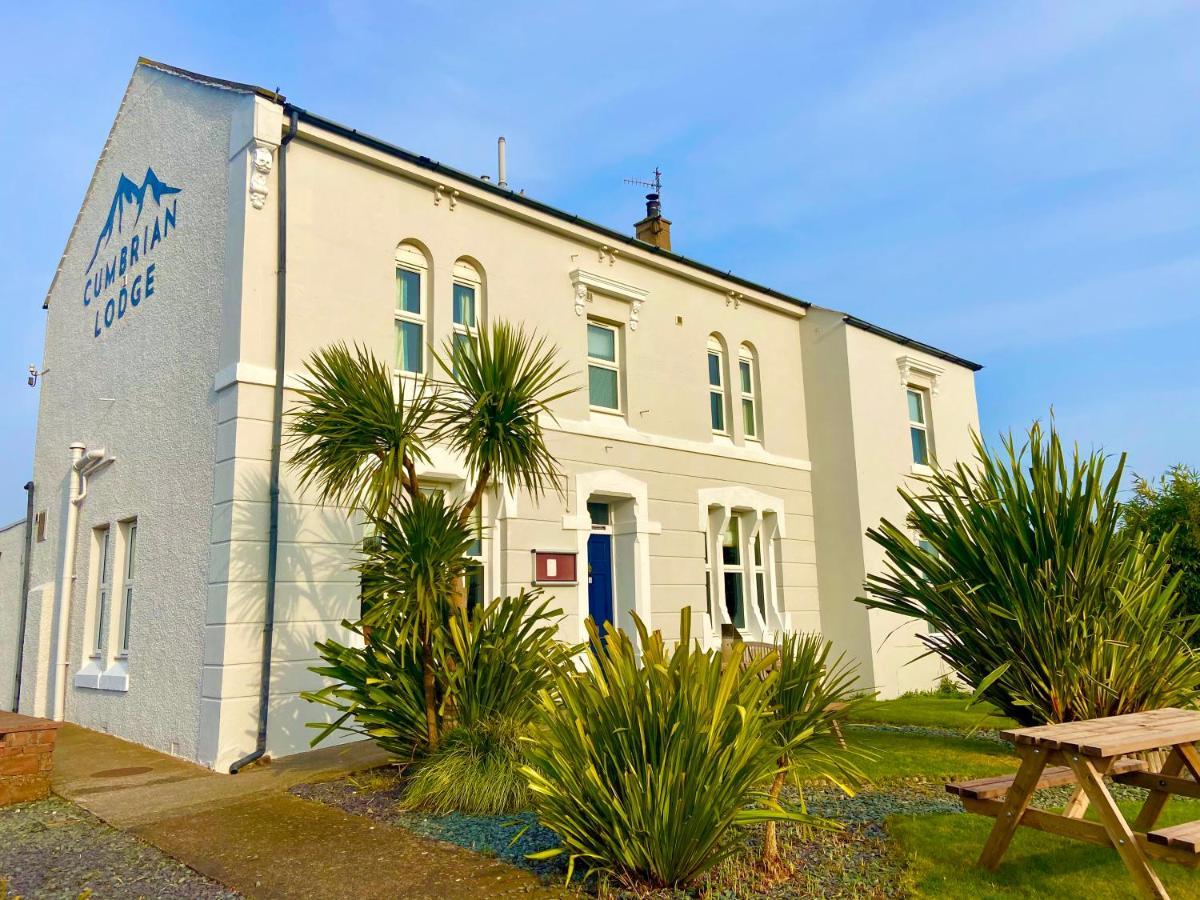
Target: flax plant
649,764
1031,590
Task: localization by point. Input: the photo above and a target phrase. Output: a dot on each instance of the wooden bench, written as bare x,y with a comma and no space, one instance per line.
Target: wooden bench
997,787
1184,837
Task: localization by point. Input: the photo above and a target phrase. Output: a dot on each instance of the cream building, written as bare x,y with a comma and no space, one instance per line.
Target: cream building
725,435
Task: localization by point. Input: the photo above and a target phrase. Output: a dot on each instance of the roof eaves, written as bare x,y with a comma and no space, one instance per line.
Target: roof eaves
353,134
909,342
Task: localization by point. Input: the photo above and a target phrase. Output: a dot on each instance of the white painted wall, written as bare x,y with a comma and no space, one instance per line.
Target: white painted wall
143,390
12,547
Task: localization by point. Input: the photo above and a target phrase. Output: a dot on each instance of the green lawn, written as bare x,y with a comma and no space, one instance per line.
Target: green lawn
899,756
941,851
933,712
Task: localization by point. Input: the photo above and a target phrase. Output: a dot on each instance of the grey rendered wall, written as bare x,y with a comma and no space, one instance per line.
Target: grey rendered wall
12,546
143,390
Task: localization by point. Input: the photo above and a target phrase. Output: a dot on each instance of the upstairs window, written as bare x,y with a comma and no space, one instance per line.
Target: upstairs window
716,387
918,425
747,379
411,309
468,295
604,367
130,529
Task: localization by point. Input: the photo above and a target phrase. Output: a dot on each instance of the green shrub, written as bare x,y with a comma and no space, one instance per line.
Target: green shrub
376,689
810,693
1034,594
646,764
487,672
476,770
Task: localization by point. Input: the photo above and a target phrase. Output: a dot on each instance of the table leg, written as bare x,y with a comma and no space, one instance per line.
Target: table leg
1033,761
1077,805
1119,832
1156,800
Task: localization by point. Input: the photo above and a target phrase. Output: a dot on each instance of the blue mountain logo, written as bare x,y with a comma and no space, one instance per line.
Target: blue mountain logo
127,194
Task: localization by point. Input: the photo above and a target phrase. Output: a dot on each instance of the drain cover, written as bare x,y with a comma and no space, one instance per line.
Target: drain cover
122,773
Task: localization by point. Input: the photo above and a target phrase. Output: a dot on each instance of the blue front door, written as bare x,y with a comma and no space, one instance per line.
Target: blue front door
600,586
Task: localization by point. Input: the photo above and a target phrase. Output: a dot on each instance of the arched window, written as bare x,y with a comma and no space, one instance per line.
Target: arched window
468,301
718,401
412,308
748,389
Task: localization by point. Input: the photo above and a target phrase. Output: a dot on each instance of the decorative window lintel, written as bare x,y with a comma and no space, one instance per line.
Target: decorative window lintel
912,368
586,283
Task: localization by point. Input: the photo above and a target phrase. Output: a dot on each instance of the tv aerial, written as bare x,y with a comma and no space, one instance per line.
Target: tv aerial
656,183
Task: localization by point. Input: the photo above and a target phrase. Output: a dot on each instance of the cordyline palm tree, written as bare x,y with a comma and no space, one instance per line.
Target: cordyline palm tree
358,443
811,692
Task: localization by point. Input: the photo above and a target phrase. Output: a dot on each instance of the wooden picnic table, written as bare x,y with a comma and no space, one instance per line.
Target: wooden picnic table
1083,753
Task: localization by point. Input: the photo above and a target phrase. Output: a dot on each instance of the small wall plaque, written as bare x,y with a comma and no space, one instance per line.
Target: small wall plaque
554,567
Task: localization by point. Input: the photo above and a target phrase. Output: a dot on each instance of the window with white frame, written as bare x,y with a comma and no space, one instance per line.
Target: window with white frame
734,572
411,309
129,529
468,300
474,581
918,425
604,366
102,544
717,400
760,575
747,378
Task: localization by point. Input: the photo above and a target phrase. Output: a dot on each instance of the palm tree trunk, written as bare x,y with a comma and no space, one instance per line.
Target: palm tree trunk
770,857
431,723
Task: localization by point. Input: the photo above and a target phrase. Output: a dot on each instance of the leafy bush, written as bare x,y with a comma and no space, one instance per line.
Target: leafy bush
1172,505
376,688
1032,591
485,676
810,693
476,770
647,763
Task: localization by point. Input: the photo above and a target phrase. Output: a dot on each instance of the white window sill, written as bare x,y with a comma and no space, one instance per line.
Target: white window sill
605,414
918,469
114,678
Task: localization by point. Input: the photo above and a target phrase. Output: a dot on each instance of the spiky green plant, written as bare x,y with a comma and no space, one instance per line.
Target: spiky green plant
409,580
502,382
647,764
811,692
355,442
476,770
376,689
1031,590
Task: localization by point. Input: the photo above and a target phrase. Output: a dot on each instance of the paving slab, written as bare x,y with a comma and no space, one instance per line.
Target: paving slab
248,833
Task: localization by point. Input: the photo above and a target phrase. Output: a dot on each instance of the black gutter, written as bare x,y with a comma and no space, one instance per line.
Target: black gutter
264,695
16,703
425,162
909,342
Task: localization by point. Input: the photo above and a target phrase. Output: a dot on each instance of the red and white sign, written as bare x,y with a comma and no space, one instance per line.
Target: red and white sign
554,567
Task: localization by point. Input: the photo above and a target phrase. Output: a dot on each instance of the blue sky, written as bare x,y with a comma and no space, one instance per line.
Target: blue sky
1015,182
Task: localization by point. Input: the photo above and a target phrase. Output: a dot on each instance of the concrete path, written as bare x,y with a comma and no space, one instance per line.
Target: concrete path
248,833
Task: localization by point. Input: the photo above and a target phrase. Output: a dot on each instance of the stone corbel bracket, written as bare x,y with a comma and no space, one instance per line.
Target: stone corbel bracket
586,283
734,299
262,158
914,369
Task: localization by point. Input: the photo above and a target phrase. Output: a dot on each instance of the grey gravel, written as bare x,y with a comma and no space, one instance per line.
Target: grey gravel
54,849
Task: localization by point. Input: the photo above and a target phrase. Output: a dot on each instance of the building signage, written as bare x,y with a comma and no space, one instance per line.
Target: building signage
122,273
554,567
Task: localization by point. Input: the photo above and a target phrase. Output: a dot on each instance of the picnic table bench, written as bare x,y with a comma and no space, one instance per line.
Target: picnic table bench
1083,753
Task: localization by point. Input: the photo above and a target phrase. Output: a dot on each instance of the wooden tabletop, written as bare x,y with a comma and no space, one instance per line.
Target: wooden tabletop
1115,735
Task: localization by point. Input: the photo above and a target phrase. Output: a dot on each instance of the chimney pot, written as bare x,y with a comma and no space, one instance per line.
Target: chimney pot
654,229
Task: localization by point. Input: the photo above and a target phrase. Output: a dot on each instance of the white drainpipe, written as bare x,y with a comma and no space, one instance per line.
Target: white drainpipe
82,465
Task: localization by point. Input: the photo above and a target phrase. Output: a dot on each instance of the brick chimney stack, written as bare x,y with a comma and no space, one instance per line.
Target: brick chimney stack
654,229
